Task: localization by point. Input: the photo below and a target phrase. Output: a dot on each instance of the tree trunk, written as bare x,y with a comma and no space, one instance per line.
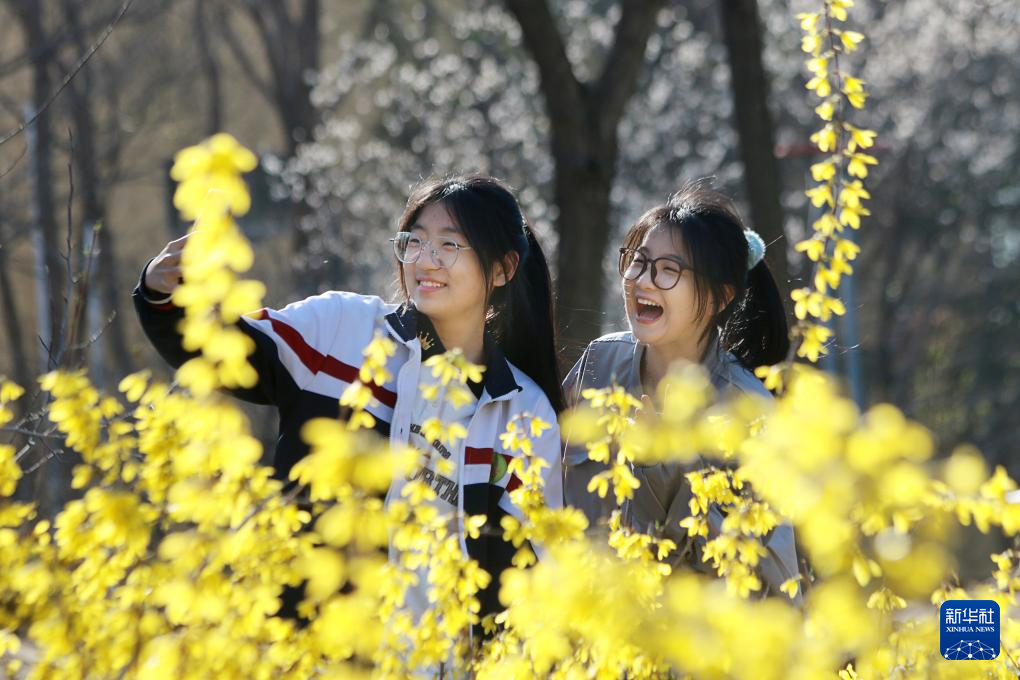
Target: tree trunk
210,70
29,13
291,44
102,280
742,33
582,196
584,118
16,347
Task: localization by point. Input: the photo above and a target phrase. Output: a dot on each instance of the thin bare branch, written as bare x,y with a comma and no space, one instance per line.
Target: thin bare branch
263,86
619,77
15,162
70,76
54,359
538,27
32,433
81,301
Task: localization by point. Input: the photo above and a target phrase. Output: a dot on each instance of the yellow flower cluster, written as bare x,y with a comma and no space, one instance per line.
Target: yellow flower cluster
427,539
350,590
181,543
690,426
453,371
171,561
10,472
602,426
358,394
355,598
212,193
581,612
542,526
873,514
839,192
428,544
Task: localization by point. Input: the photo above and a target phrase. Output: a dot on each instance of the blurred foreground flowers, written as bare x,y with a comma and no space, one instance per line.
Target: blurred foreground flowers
172,562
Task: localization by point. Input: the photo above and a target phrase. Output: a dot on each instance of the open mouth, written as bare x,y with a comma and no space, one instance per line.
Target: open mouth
648,311
429,286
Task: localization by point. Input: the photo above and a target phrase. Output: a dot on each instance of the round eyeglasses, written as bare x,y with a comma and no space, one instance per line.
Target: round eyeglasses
666,271
408,249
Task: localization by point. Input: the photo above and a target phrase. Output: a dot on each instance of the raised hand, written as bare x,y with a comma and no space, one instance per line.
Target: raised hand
164,272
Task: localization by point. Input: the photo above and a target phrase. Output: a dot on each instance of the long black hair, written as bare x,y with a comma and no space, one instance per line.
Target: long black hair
710,233
521,315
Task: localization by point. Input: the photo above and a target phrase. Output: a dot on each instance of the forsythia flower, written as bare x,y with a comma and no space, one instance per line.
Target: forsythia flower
841,200
212,193
10,472
209,176
184,559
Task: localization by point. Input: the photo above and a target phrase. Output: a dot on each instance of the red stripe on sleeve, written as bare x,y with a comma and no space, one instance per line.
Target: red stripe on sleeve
513,483
338,369
315,361
477,456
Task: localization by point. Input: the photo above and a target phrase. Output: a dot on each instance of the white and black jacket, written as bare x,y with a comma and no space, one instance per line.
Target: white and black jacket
307,353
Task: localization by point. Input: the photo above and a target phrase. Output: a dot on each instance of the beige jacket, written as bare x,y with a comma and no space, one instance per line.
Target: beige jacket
663,497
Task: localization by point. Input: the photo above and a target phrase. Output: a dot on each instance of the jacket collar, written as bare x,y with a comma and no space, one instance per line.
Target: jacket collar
716,361
404,322
409,325
713,359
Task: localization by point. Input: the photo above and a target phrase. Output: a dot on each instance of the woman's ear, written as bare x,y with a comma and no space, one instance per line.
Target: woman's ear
728,293
727,298
503,272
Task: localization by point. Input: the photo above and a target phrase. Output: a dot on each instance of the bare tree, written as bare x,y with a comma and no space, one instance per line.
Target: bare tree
41,47
584,117
210,69
743,35
289,43
93,188
12,322
290,48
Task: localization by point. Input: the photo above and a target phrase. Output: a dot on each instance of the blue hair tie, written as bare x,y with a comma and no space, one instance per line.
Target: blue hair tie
755,248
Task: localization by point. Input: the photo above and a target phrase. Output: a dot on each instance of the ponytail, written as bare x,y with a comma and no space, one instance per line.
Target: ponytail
524,321
756,332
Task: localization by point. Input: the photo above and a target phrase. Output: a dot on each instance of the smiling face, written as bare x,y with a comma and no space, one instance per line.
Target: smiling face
665,319
443,293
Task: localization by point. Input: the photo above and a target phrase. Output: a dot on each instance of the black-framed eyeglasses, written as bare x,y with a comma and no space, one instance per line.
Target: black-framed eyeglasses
666,271
408,249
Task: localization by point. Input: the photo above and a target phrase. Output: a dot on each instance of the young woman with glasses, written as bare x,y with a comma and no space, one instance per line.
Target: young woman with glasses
473,277
696,288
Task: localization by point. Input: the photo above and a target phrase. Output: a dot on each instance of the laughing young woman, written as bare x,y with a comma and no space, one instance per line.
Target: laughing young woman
696,288
473,276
